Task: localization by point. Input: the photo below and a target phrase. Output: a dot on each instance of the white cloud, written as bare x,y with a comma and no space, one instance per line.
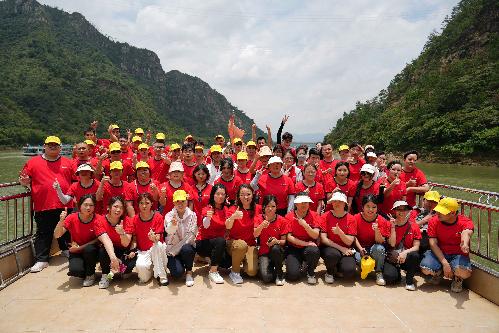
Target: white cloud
312,60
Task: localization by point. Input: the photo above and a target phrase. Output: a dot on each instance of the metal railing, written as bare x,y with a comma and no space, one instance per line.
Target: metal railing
485,216
16,214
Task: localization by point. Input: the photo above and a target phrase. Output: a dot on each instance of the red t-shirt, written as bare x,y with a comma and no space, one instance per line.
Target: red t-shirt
292,174
348,188
81,233
323,166
76,190
316,193
112,191
420,178
365,232
43,174
276,229
158,169
217,224
127,156
243,228
355,170
396,194
245,177
294,228
200,200
135,188
449,235
188,170
373,189
169,194
75,163
126,172
281,187
346,223
103,226
414,233
232,186
141,228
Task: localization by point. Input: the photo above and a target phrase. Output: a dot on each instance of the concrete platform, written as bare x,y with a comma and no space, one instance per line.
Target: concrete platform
50,301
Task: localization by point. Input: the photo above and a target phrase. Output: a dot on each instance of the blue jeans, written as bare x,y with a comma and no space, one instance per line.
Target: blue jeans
378,253
182,262
431,262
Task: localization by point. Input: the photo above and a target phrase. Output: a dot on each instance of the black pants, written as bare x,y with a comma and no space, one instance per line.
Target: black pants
335,260
424,244
105,261
391,272
294,258
46,221
270,264
83,264
213,248
182,262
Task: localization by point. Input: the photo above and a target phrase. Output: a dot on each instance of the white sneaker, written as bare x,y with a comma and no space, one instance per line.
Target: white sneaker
215,277
279,282
104,282
235,277
329,278
163,281
456,285
311,279
380,281
65,253
189,281
410,287
39,266
89,281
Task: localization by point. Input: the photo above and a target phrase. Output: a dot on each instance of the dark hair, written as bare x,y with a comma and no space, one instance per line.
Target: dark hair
85,197
314,151
391,163
227,162
113,200
214,190
253,199
302,147
354,144
145,195
202,167
379,198
410,152
290,152
287,136
186,146
369,198
261,138
278,147
268,199
199,143
90,129
308,165
342,163
380,152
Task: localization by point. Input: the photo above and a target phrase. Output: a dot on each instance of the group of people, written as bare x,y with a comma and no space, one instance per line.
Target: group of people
253,207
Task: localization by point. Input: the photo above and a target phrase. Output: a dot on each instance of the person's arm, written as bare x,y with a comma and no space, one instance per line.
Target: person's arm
129,209
98,168
465,240
59,228
254,181
295,241
108,245
125,238
291,205
419,189
99,195
378,237
112,137
312,232
258,230
279,131
269,137
253,132
229,223
392,240
440,256
63,198
320,206
326,241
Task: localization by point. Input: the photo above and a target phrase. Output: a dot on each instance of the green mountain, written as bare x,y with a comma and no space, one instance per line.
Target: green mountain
58,73
445,102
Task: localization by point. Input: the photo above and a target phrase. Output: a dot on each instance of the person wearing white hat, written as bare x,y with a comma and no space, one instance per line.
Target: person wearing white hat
365,186
174,183
86,185
302,236
404,244
338,231
261,160
275,183
372,158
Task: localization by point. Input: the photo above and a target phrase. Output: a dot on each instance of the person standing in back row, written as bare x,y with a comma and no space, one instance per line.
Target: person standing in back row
415,179
40,172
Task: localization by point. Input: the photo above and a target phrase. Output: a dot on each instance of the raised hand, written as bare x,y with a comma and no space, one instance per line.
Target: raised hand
285,118
56,184
119,228
336,229
265,224
64,213
105,179
238,214
174,221
210,212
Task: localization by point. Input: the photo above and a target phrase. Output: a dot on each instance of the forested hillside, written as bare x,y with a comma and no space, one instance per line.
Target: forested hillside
445,102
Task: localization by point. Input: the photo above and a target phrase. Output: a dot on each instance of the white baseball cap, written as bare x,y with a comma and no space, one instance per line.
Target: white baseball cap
275,159
339,196
368,168
84,167
176,166
302,199
400,203
371,154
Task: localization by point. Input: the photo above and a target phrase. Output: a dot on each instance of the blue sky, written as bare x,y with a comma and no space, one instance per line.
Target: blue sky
310,59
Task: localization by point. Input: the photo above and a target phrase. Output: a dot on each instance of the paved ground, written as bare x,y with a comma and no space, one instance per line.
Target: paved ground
51,302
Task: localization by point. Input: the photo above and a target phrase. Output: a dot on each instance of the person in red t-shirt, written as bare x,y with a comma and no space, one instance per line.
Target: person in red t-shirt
314,157
111,186
103,163
115,245
328,163
210,241
188,162
394,188
338,231
404,243
148,228
450,235
340,182
290,169
159,163
365,186
201,190
85,185
372,231
142,184
83,251
302,236
82,157
241,244
242,170
271,230
175,182
314,189
230,181
415,179
40,172
355,161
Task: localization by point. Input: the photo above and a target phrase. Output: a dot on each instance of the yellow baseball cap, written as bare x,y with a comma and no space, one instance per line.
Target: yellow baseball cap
242,155
114,126
89,142
432,196
446,206
343,147
116,165
237,140
215,148
251,144
160,136
219,136
179,195
139,131
53,139
199,147
141,164
143,146
136,138
114,146
174,146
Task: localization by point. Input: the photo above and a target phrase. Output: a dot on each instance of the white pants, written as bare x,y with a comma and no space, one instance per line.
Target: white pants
155,257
